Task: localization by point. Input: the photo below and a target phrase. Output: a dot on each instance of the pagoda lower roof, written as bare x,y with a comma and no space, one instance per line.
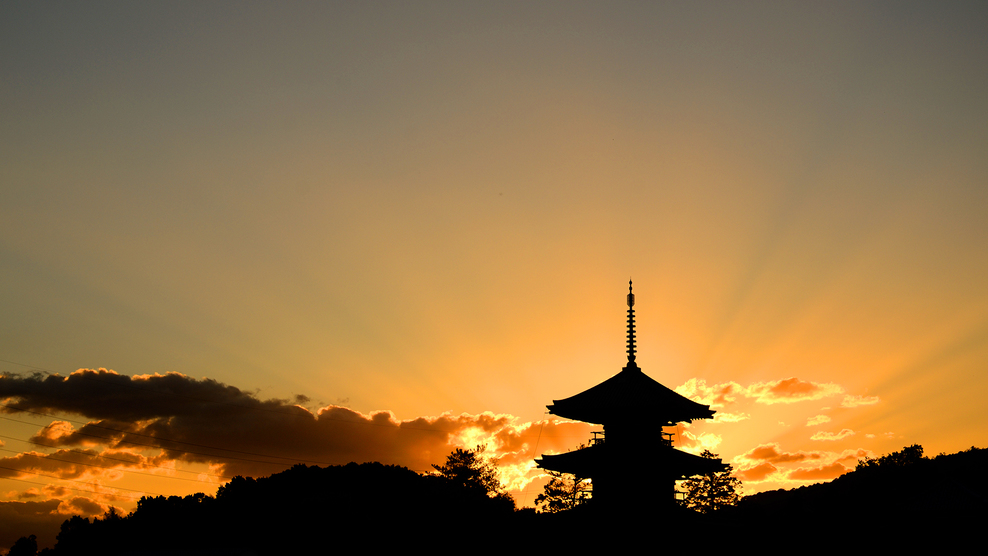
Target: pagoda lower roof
596,460
629,392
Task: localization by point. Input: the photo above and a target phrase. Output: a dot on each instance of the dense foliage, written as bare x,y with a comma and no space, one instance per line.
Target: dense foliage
893,501
468,474
368,506
712,491
373,507
909,455
562,492
471,471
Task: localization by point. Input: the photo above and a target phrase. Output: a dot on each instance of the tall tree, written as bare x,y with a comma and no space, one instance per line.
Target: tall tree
562,492
25,546
472,472
712,491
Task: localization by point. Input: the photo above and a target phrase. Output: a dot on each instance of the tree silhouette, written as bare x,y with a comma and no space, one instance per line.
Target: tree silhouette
562,492
25,546
712,491
906,456
472,472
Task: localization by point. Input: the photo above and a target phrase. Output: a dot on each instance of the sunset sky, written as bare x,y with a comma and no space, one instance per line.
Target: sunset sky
332,232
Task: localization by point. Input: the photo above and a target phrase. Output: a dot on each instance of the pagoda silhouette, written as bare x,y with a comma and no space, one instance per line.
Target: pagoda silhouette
631,464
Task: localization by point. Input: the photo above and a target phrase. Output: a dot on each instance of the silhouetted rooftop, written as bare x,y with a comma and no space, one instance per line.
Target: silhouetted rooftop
628,393
592,460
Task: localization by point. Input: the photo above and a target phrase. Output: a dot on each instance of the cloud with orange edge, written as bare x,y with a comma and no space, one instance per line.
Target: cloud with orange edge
70,464
175,418
771,452
784,391
768,462
791,390
818,420
855,401
696,443
758,473
717,395
832,436
824,473
725,417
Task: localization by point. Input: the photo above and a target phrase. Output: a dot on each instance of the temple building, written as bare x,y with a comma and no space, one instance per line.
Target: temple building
632,459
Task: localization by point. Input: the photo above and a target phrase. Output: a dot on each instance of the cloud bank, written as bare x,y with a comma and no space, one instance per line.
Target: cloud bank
785,391
768,462
102,425
146,422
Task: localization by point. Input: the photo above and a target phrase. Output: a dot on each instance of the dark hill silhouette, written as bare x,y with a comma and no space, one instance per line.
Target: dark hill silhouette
902,483
303,510
899,501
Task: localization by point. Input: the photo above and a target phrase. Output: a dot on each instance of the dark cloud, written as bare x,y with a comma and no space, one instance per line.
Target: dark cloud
209,422
56,491
40,518
69,464
83,506
29,493
103,394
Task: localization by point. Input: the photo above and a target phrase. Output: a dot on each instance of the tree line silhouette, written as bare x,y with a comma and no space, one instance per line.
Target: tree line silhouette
305,509
897,498
899,501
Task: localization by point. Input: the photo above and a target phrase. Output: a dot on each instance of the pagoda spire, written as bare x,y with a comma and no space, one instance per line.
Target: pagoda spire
631,329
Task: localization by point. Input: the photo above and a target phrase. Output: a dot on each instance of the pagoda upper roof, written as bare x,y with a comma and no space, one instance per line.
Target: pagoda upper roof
630,392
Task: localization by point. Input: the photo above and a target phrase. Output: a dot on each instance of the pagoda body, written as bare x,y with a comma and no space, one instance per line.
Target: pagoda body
632,462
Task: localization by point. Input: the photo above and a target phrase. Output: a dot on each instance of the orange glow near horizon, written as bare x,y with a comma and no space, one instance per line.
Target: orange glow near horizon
375,234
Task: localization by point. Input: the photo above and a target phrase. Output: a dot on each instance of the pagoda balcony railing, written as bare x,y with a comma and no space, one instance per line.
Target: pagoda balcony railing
665,439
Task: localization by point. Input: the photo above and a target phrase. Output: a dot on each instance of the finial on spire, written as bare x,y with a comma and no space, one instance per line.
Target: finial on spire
631,328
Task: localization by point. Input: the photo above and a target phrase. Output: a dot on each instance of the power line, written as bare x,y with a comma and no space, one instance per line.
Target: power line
94,485
77,489
101,454
49,457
